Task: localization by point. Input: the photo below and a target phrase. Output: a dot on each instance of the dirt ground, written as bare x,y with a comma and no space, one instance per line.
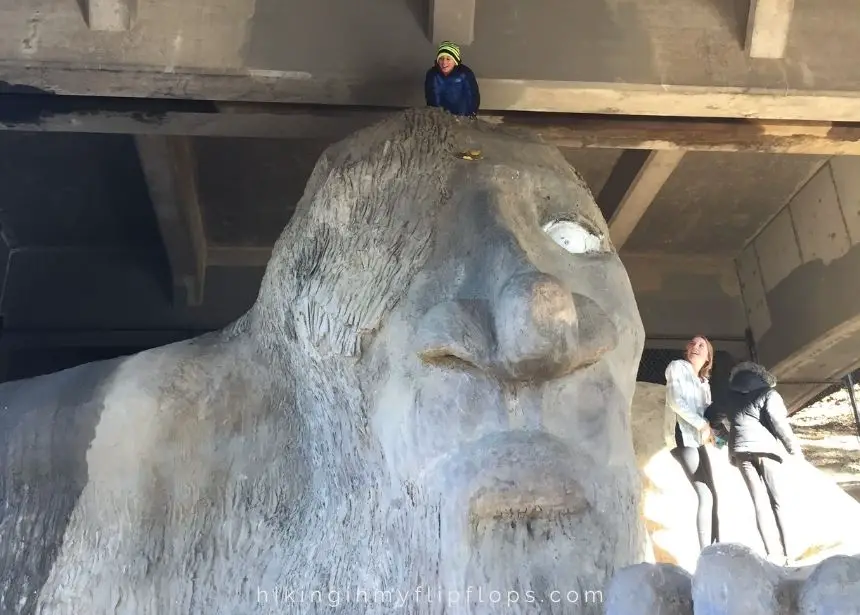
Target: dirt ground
828,434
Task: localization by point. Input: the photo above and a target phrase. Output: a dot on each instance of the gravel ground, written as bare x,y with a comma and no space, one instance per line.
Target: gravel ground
828,434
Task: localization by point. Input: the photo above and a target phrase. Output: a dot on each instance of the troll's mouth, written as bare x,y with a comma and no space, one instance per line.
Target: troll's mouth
522,475
526,503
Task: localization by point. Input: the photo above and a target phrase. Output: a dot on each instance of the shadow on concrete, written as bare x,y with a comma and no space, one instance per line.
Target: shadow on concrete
564,41
420,9
84,5
734,14
335,37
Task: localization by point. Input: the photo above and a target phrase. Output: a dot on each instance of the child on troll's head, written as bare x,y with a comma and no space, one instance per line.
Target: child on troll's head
450,84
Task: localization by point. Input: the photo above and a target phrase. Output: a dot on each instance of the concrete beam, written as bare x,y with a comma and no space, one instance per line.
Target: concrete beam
767,28
631,188
452,20
798,280
40,113
171,176
90,114
110,15
251,85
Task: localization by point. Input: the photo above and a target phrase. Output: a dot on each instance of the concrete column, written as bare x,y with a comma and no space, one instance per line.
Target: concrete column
452,20
800,281
110,15
767,28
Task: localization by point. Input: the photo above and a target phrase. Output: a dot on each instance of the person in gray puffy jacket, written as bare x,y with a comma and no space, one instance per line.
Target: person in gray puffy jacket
760,439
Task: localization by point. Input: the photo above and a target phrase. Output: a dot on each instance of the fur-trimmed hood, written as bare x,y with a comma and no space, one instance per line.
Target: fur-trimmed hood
749,376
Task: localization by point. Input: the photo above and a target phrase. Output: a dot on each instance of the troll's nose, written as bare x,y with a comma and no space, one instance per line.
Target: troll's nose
545,331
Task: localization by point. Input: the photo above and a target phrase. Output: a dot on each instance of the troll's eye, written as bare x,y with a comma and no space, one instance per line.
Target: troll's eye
574,237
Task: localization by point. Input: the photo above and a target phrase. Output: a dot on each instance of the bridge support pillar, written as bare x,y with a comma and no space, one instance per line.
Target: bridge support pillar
800,282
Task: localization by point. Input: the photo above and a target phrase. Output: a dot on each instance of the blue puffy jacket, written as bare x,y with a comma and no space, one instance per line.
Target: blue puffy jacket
457,93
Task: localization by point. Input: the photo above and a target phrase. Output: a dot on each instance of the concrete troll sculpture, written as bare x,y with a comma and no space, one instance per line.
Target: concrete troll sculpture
730,579
425,410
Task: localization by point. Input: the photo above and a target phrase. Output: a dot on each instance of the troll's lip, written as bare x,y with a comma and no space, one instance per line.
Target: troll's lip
520,502
521,475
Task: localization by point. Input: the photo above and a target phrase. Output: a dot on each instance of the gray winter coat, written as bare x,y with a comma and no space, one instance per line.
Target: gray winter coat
756,413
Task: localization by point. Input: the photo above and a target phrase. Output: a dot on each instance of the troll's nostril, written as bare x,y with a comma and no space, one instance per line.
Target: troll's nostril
450,357
455,334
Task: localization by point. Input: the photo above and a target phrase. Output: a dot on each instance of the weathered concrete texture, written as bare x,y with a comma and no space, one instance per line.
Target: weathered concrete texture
685,296
609,42
646,589
430,394
618,42
730,579
833,588
821,516
109,15
197,33
799,280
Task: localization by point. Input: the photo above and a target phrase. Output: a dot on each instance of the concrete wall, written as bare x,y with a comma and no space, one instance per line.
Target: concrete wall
191,33
715,201
800,282
680,295
687,42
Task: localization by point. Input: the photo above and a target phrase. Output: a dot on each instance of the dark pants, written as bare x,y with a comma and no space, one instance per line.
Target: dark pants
697,467
763,477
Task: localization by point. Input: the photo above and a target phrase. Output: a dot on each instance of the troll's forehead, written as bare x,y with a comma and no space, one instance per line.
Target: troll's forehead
366,223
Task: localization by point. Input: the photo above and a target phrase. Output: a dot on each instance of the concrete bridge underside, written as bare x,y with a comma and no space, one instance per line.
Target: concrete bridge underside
153,150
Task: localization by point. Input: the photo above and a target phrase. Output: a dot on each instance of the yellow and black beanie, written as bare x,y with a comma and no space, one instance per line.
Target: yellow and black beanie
450,49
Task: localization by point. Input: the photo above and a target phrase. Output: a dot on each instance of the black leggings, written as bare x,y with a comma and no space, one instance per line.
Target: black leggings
763,476
697,467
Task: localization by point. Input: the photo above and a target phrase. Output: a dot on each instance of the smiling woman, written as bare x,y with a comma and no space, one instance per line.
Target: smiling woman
688,395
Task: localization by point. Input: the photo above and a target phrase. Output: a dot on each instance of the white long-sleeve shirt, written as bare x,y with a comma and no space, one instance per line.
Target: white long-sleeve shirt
688,397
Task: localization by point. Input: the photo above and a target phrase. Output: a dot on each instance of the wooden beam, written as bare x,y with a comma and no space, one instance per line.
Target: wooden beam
687,134
40,113
91,114
171,175
767,28
252,85
452,20
110,15
631,188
